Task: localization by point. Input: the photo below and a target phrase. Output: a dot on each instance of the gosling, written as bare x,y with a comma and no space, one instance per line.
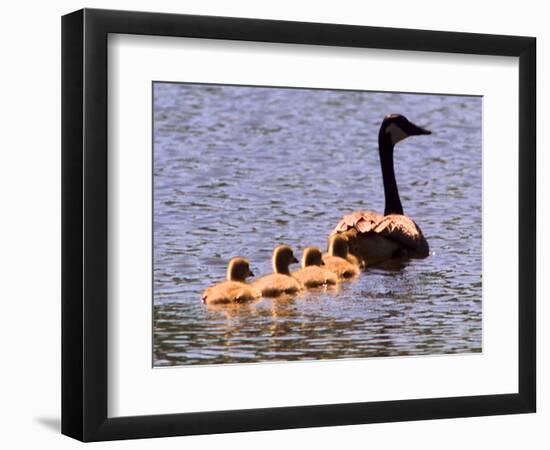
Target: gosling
351,257
280,282
312,275
336,260
235,289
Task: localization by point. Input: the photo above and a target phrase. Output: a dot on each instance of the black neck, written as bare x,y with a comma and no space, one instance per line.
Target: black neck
385,148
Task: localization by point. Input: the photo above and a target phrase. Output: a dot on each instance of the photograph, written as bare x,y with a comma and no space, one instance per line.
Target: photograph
302,224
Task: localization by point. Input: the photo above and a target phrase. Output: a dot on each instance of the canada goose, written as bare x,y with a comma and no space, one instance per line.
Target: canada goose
374,237
280,282
336,258
235,289
311,274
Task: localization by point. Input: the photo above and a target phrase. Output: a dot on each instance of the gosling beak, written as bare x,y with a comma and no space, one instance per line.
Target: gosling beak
415,130
322,263
294,260
250,273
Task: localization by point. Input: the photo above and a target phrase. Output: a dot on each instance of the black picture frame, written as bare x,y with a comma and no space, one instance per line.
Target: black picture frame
84,224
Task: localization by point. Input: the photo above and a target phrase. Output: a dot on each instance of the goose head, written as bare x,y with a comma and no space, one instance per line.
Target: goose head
312,256
282,258
338,245
238,270
396,127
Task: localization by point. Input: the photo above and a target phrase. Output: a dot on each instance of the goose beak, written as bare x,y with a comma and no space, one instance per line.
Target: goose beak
294,260
415,130
250,273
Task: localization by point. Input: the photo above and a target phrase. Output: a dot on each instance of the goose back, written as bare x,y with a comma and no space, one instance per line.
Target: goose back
374,237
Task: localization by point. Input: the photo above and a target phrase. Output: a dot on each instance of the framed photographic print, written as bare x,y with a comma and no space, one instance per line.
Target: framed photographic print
273,224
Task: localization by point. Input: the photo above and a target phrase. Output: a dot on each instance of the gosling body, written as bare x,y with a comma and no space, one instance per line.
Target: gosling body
336,260
280,282
235,290
313,274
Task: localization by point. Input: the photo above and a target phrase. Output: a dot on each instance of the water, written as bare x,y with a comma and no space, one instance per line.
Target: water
238,170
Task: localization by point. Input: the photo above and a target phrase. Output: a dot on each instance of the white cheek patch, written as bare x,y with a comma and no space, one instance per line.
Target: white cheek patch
396,133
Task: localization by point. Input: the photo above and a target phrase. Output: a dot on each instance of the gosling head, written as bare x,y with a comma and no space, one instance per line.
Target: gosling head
396,127
238,270
312,256
338,246
282,258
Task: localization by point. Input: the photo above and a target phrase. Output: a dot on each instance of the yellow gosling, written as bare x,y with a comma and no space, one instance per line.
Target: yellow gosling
336,259
280,282
312,274
235,289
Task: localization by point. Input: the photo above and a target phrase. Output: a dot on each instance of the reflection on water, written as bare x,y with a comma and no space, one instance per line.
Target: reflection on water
238,170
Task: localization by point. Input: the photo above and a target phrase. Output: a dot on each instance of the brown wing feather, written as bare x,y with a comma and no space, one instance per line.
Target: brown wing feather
362,221
403,230
395,227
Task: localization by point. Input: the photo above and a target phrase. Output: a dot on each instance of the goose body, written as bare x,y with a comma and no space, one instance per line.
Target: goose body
235,289
375,237
313,274
280,282
336,260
